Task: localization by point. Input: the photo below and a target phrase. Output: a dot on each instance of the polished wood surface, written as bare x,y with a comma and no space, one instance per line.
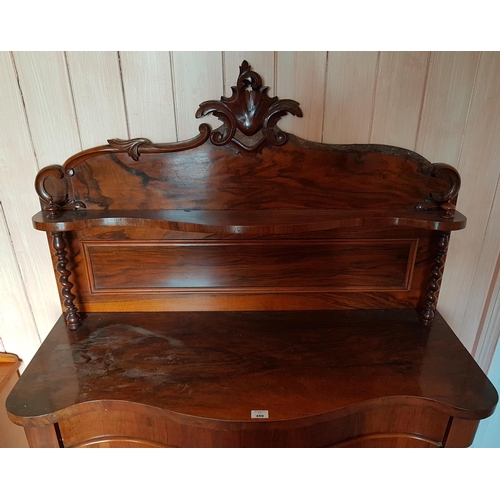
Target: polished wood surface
249,271
298,175
247,222
206,371
152,269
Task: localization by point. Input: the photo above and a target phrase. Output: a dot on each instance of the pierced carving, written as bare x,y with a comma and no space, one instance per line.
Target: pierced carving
443,200
54,204
249,111
73,320
429,309
131,147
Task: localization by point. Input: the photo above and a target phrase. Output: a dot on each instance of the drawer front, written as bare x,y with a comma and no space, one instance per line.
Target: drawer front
398,426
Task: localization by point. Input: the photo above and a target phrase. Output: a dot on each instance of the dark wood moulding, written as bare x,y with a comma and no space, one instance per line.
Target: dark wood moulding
249,222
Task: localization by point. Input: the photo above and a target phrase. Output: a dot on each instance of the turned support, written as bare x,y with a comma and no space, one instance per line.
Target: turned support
73,320
429,309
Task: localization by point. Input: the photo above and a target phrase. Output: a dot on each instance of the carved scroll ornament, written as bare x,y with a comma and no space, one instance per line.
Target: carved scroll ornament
444,200
249,111
54,203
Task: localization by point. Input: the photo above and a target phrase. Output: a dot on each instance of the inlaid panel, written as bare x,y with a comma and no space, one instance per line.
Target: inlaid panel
313,265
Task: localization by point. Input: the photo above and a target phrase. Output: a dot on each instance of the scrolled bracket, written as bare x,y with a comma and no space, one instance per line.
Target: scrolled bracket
249,110
443,200
54,204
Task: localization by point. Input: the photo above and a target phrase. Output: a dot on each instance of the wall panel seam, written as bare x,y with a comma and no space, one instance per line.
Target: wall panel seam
25,113
127,122
174,92
374,96
75,109
275,71
422,101
325,88
466,124
224,74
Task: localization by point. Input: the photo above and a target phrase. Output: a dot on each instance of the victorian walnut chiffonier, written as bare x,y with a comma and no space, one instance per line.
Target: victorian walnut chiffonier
248,288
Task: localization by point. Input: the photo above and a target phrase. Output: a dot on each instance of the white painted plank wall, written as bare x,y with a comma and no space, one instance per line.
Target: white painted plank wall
15,314
446,106
301,77
350,97
398,98
262,62
18,168
197,78
475,250
44,79
98,95
149,98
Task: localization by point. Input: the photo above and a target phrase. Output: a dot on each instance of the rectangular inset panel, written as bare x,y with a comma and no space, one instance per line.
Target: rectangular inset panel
250,266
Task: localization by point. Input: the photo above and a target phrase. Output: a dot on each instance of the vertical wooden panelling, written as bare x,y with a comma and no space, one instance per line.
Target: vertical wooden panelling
18,168
446,105
489,327
475,249
262,62
484,288
350,88
147,84
398,98
301,77
17,326
97,88
197,78
44,82
444,116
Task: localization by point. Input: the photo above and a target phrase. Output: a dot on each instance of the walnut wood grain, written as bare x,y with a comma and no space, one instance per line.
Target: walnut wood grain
461,433
200,374
382,424
360,267
42,437
250,265
298,175
246,222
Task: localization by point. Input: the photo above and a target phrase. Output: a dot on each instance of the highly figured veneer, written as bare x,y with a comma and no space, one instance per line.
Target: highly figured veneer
249,288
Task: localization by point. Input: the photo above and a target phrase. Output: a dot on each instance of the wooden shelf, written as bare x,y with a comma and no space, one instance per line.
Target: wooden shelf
248,222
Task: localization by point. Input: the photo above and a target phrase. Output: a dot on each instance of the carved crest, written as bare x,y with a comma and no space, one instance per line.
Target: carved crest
248,112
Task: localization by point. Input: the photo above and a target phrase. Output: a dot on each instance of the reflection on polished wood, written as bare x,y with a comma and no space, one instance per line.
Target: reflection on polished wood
330,377
250,270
